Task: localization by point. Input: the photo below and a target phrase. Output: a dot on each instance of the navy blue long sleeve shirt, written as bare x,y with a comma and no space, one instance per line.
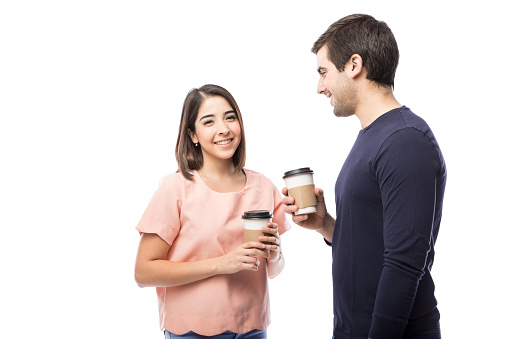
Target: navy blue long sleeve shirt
389,197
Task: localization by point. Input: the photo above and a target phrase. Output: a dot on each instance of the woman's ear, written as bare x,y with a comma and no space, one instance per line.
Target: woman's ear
192,136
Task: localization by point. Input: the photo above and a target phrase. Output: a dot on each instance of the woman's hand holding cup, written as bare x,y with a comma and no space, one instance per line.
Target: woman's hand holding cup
243,257
272,241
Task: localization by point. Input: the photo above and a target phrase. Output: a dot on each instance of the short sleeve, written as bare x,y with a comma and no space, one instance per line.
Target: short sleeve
162,215
279,216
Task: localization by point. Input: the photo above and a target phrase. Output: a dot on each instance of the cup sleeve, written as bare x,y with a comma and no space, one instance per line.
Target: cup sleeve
162,215
279,216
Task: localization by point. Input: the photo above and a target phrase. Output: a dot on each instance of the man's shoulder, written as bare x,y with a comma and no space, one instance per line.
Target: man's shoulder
411,141
413,120
403,122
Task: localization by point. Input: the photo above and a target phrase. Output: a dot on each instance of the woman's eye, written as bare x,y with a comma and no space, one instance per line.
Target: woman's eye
207,122
231,117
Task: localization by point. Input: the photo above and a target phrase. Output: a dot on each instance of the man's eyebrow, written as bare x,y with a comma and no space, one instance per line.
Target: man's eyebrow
320,69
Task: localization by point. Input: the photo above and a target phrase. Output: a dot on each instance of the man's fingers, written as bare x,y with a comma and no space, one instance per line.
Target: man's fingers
285,191
288,200
299,218
289,209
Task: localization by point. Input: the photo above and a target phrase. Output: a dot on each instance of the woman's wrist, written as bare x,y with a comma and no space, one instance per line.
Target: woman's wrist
270,259
216,265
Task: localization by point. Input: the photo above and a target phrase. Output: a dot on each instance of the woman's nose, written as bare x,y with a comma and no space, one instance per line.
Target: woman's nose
223,128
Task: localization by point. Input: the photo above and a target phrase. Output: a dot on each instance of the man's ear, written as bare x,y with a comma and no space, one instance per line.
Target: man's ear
354,65
192,136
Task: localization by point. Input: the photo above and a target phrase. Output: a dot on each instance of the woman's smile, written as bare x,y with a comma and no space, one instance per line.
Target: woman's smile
226,142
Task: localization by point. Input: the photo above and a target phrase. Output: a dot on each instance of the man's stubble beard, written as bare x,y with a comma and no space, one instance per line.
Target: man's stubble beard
346,101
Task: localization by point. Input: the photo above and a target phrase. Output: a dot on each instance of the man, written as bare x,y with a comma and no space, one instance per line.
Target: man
389,192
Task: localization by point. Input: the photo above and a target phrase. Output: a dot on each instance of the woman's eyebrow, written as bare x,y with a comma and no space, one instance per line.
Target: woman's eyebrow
206,116
213,115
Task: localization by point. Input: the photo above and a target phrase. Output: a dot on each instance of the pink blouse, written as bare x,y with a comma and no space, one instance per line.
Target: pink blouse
199,223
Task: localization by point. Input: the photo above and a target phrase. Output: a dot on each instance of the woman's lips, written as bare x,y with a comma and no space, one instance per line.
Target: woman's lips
224,142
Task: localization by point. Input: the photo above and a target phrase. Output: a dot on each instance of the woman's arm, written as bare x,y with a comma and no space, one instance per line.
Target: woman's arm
153,269
275,267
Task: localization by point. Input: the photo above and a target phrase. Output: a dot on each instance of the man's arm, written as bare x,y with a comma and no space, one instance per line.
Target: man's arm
320,221
407,169
328,228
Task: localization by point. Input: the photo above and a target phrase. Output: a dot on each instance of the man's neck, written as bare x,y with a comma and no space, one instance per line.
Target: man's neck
374,102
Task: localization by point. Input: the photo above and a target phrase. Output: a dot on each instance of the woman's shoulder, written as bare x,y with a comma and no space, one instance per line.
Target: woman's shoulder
257,177
173,180
253,174
172,177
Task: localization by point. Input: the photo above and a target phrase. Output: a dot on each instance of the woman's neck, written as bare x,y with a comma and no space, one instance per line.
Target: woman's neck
217,169
222,177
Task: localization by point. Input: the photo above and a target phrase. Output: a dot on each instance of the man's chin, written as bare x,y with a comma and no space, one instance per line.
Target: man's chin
342,113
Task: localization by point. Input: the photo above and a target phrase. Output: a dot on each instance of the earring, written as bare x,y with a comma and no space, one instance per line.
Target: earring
196,145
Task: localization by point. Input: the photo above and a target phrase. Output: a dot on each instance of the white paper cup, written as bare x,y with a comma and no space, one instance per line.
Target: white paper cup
253,223
302,188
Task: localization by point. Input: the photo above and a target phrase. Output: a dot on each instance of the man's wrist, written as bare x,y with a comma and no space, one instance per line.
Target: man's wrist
328,227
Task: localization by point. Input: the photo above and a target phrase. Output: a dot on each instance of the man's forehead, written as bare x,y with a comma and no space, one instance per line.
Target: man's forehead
323,52
322,57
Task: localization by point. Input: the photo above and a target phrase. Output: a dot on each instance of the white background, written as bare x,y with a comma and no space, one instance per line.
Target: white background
90,100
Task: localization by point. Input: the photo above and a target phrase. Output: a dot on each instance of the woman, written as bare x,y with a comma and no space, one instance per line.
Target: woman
208,281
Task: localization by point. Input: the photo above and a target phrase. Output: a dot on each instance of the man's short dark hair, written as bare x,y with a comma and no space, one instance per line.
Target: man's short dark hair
364,35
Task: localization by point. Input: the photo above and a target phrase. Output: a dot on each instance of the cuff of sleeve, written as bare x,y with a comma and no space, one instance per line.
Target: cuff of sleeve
328,243
382,328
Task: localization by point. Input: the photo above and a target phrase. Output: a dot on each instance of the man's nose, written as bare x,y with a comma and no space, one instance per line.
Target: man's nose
321,87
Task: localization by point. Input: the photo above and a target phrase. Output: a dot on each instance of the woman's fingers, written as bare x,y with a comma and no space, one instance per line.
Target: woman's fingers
251,263
253,245
256,252
271,235
266,239
253,249
271,227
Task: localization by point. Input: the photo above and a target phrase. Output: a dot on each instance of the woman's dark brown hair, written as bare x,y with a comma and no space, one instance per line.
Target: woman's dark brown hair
189,157
364,35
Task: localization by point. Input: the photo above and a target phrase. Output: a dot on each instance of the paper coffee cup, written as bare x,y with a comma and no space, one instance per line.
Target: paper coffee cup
302,188
253,223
